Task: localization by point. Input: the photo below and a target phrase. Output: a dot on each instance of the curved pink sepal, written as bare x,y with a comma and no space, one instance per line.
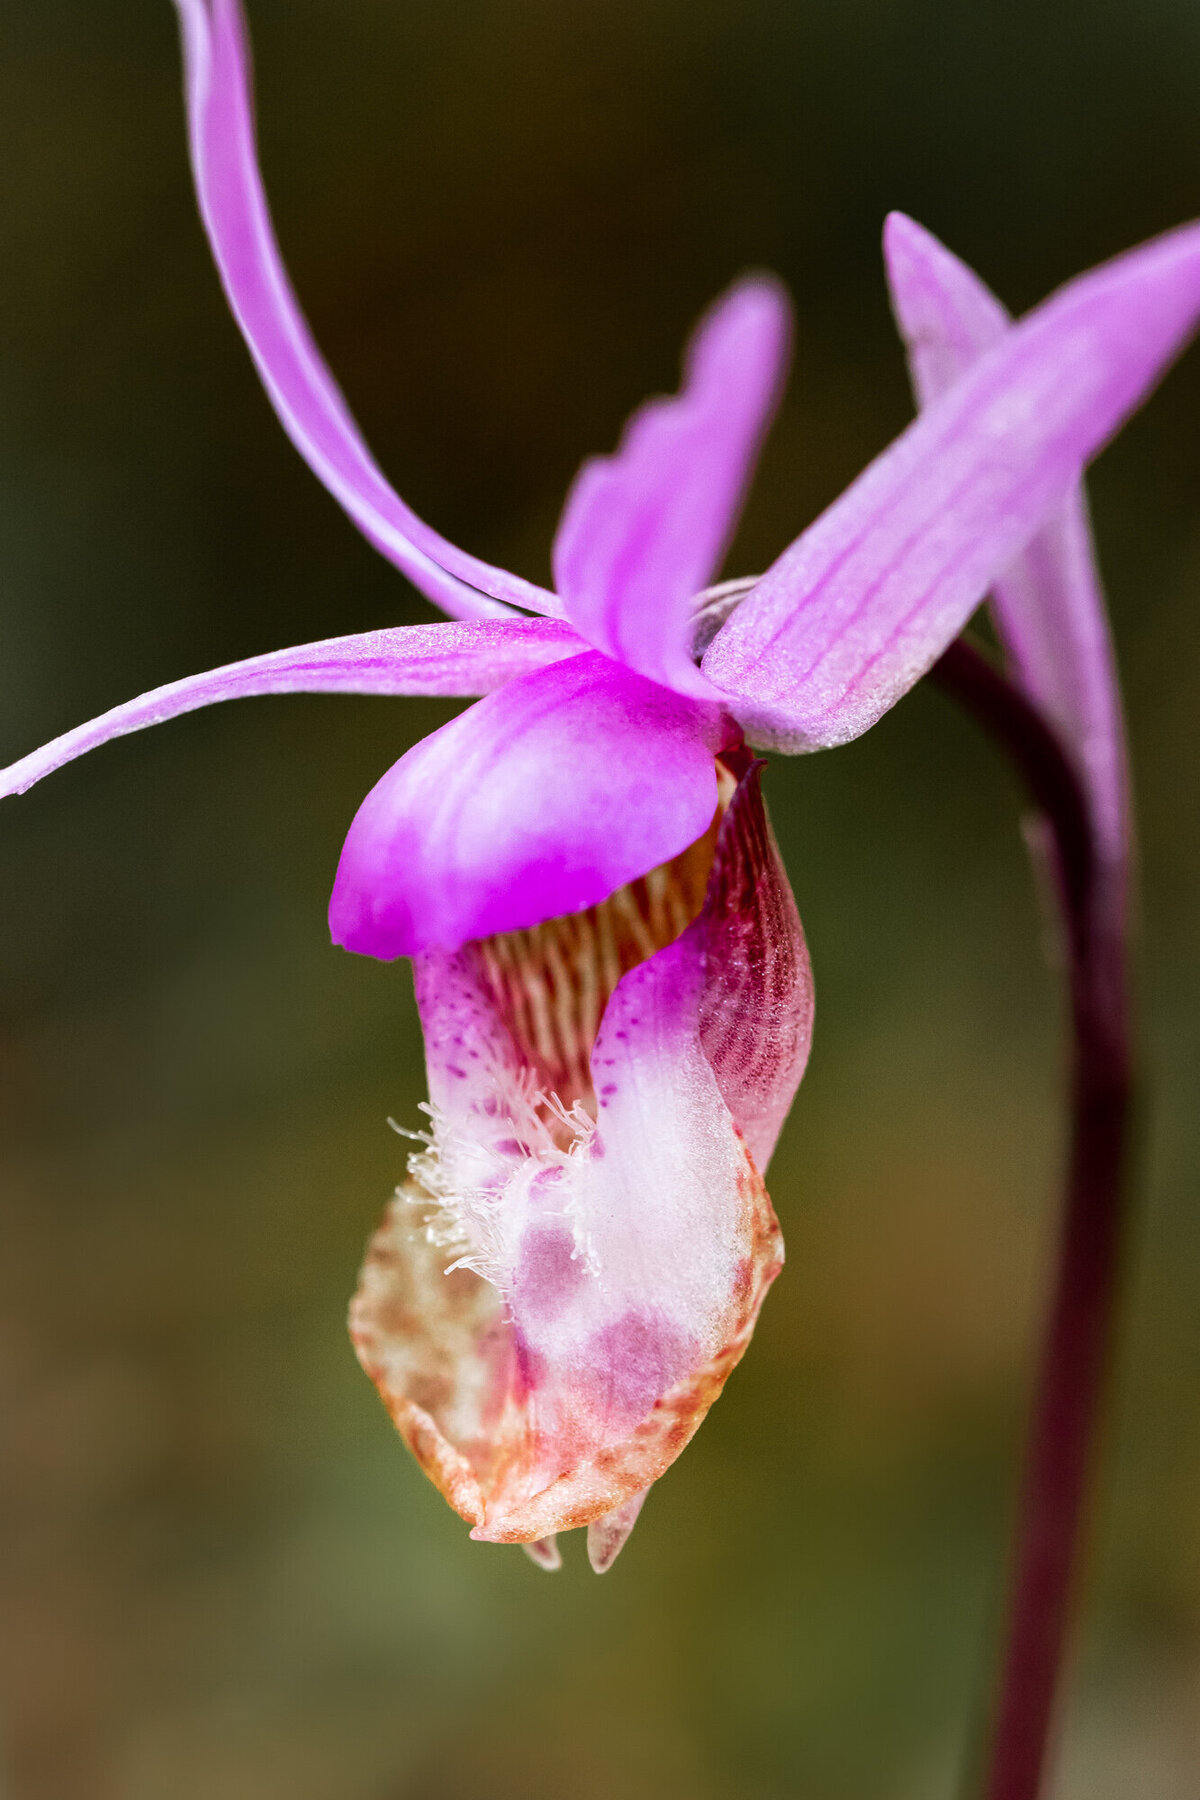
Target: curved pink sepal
605,1279
644,530
1048,605
468,657
304,393
540,800
860,606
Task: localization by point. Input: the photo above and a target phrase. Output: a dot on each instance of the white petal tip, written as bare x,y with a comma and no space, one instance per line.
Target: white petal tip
606,1536
545,1553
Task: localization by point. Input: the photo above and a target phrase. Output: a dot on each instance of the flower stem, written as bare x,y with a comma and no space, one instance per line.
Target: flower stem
1071,1380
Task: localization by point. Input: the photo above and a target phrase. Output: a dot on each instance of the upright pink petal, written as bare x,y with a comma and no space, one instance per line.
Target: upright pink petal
644,530
859,607
470,657
540,800
1048,605
304,393
609,1244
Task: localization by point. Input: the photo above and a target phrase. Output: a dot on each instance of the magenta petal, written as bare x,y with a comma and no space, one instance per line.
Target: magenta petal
860,606
470,657
304,393
540,800
1048,605
644,530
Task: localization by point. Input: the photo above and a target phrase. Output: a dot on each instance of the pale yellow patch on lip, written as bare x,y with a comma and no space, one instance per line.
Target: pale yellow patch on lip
551,983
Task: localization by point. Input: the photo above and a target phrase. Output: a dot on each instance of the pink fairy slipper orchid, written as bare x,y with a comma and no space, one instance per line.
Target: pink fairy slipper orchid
610,971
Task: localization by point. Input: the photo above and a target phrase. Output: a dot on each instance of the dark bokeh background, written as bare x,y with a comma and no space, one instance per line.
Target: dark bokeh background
221,1574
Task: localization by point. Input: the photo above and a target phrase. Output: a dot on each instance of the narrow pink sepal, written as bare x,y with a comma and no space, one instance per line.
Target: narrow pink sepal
302,390
605,1279
644,530
541,800
860,606
1048,605
467,657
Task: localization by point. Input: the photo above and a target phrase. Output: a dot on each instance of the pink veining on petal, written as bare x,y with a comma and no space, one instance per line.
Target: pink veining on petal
304,393
756,1012
1048,605
468,658
644,530
610,1248
857,609
541,800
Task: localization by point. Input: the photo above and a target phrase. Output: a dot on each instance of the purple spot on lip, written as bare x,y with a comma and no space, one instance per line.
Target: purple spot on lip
548,1272
633,1362
530,1366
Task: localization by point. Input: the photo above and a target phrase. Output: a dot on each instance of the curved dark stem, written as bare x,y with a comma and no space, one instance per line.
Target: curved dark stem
1070,1383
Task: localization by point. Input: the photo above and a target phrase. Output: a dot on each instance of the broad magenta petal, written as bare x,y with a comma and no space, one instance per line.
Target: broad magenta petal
468,657
859,607
608,1236
302,390
644,530
541,800
1048,605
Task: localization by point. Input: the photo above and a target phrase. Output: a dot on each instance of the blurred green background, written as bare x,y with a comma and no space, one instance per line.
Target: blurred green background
221,1573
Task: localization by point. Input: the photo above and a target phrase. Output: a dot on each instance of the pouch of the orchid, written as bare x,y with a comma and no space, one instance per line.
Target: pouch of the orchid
559,1291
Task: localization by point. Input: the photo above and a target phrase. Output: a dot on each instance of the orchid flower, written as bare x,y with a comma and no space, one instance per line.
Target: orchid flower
610,969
